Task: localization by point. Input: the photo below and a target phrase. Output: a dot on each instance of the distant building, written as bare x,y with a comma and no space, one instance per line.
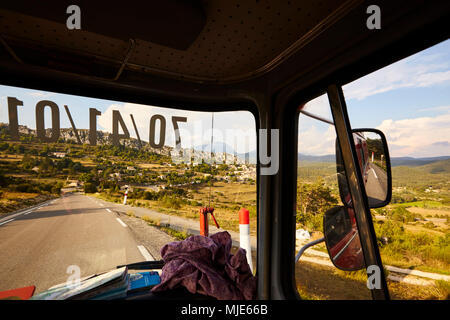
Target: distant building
75,184
59,154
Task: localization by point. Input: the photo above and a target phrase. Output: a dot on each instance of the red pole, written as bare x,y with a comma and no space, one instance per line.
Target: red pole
204,225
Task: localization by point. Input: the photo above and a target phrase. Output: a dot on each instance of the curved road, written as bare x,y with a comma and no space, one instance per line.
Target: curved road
37,247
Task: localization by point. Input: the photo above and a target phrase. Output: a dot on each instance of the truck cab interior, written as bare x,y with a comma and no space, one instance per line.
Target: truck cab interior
264,57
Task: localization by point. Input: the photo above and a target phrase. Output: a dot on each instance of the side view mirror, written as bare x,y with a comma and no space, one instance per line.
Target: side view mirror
342,239
375,166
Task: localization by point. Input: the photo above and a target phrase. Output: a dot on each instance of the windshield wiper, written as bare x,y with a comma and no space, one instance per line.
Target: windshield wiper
144,265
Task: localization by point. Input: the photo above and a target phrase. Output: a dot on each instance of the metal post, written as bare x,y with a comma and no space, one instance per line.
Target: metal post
357,190
204,223
125,197
244,235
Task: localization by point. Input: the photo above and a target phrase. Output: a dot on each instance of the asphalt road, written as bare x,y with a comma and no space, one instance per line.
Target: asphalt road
38,247
376,186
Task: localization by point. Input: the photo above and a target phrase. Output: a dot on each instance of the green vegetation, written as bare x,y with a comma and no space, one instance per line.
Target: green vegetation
406,236
313,200
401,214
406,249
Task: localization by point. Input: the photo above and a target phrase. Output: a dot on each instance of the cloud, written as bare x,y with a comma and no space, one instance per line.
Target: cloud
418,137
319,106
438,109
421,70
316,139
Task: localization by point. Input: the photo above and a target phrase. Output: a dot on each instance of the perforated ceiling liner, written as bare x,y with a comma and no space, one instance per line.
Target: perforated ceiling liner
238,38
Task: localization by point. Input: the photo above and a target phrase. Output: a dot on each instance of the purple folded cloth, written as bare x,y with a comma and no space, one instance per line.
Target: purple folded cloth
205,265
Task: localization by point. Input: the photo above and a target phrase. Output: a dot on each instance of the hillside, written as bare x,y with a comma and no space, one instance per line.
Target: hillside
395,161
437,167
415,162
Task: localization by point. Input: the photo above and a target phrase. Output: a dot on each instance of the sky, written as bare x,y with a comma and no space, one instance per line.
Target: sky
408,100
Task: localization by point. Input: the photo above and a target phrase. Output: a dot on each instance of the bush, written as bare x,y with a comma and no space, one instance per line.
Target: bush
149,195
171,202
47,187
56,189
23,187
195,203
401,214
429,225
90,187
431,249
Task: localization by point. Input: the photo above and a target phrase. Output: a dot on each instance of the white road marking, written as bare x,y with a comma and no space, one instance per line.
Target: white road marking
145,253
108,210
376,177
121,222
6,221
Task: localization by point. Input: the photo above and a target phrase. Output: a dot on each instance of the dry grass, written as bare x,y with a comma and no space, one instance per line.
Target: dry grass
419,227
227,199
12,201
426,212
150,166
322,282
155,222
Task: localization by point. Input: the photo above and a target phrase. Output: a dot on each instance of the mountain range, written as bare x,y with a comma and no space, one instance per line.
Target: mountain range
395,161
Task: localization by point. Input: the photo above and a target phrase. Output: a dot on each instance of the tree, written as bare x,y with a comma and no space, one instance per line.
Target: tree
313,200
28,162
86,177
46,165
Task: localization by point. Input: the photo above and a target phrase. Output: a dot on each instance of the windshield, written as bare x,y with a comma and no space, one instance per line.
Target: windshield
87,185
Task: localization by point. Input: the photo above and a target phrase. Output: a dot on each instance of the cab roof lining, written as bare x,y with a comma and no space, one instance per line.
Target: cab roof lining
291,41
219,41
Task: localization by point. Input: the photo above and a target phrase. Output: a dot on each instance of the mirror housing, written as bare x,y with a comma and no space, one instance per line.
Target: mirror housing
375,167
342,239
